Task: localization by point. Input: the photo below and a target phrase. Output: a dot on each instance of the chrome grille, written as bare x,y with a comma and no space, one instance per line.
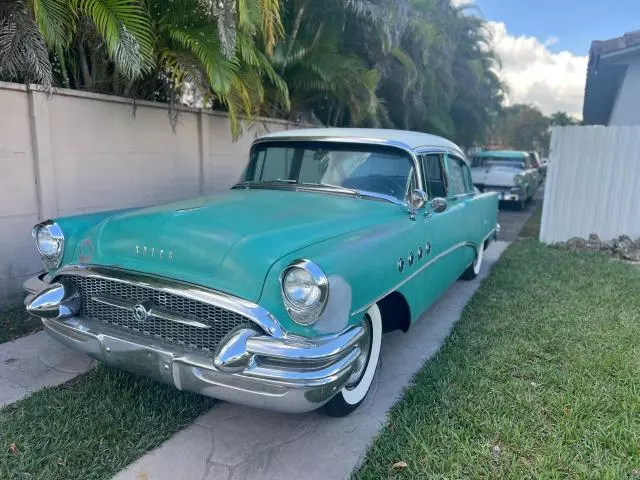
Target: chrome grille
220,320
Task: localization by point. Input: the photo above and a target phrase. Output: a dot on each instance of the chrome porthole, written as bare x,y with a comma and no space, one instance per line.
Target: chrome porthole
428,247
401,265
410,259
420,253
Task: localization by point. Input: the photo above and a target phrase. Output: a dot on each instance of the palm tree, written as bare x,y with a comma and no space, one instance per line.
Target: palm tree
155,50
327,83
29,29
563,119
221,57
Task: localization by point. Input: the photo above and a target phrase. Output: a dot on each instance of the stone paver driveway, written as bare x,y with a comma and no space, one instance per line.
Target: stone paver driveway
34,362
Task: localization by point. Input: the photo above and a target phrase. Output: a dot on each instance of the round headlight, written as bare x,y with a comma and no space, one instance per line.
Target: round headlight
518,180
305,289
50,242
300,288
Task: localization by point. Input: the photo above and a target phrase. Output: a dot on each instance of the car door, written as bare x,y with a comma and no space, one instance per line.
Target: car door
463,222
434,240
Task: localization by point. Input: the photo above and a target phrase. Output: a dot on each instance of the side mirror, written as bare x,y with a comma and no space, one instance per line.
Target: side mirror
438,205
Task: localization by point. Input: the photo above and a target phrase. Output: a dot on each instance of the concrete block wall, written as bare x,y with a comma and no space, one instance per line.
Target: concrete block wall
74,152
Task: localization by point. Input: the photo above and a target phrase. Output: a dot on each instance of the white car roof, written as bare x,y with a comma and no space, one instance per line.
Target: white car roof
398,138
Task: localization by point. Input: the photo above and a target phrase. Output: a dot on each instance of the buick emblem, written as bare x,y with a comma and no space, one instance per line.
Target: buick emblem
140,312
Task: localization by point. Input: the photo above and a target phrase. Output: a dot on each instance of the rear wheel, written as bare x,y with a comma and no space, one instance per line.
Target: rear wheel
359,384
476,267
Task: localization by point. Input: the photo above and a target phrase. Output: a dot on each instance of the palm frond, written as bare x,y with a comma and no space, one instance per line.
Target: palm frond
23,52
203,43
126,29
56,21
225,13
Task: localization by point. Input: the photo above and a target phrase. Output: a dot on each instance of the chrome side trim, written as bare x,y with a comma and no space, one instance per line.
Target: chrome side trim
426,265
256,313
406,279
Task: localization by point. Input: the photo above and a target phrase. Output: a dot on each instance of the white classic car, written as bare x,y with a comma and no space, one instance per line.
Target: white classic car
509,173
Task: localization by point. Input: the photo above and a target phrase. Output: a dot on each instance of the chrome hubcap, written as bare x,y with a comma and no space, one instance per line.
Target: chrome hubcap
360,364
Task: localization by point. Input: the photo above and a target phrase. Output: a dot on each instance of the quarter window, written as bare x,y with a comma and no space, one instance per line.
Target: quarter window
467,177
457,181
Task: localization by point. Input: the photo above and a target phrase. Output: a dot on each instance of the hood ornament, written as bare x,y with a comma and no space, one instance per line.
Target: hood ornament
153,252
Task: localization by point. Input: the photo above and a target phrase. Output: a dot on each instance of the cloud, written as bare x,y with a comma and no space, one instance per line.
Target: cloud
534,74
460,3
552,40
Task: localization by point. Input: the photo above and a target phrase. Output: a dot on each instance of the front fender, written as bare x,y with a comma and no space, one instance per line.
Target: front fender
74,228
356,271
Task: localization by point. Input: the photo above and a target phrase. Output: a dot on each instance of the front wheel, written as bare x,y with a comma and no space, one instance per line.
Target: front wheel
359,384
475,268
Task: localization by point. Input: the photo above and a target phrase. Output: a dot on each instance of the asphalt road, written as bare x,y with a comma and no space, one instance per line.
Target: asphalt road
511,219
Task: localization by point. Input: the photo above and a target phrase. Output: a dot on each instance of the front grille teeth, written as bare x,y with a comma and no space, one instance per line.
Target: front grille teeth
164,316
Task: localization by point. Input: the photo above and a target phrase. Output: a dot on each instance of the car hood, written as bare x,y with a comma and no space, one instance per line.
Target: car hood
496,176
227,241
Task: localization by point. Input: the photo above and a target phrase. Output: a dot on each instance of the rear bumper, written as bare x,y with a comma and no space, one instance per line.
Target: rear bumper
288,374
505,194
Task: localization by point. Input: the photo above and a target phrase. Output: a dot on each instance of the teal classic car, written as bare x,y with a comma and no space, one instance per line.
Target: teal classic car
511,174
275,293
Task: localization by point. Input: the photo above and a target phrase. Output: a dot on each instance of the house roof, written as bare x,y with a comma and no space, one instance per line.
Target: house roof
608,61
398,138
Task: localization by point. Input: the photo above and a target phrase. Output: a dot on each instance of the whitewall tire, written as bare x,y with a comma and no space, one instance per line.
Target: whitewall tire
359,384
476,267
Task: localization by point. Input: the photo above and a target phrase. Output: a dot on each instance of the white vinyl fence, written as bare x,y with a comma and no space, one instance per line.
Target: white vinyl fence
593,183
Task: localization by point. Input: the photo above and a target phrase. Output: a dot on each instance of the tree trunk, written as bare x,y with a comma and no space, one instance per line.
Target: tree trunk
295,29
87,81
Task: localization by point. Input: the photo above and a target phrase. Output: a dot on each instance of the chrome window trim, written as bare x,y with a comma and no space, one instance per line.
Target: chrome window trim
426,265
254,312
353,140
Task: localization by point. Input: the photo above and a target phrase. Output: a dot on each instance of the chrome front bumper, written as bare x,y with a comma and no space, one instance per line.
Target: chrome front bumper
290,374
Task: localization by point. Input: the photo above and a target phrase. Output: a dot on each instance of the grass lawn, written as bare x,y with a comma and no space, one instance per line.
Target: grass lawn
539,379
532,227
16,322
92,427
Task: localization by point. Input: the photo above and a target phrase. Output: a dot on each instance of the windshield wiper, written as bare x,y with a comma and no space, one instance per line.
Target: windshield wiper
248,183
331,186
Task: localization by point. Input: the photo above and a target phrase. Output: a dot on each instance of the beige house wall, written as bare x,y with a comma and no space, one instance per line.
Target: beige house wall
73,152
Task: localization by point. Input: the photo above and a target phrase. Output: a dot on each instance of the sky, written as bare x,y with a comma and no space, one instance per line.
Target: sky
544,45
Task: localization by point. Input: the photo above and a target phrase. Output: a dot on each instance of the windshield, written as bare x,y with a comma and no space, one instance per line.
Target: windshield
368,168
511,162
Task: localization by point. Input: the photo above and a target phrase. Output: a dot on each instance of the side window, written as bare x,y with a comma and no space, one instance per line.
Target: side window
434,177
273,164
457,181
